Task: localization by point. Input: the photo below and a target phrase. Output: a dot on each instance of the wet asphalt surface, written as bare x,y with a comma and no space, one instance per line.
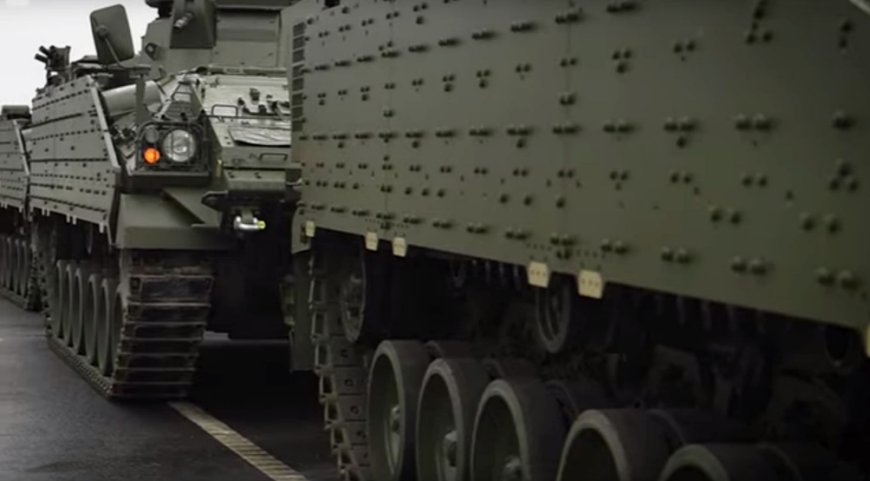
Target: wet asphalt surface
53,426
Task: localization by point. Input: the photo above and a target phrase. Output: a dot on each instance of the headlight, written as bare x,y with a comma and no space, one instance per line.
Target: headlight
179,146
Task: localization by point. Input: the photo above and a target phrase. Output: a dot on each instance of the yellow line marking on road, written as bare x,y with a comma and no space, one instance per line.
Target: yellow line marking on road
244,448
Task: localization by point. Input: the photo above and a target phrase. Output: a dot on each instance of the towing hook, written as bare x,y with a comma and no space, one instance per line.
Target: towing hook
251,224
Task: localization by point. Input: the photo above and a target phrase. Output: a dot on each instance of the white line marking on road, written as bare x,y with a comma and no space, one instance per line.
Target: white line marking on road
250,452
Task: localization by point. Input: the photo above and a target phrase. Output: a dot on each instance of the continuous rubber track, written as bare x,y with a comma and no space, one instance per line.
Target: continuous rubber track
22,286
156,333
343,372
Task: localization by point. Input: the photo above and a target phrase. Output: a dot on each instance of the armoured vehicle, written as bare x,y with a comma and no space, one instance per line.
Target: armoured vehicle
17,279
157,191
607,240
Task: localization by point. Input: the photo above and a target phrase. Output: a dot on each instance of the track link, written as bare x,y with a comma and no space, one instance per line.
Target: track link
343,371
165,303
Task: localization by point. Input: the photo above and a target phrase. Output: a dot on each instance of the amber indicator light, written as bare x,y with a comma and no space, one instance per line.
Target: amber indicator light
151,156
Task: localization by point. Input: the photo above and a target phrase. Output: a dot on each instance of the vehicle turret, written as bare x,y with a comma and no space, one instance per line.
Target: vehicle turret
190,34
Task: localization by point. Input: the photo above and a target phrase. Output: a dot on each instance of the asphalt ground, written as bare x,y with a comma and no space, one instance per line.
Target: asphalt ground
54,427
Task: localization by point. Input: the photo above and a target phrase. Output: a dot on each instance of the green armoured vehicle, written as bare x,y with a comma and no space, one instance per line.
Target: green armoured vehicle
628,226
17,279
158,191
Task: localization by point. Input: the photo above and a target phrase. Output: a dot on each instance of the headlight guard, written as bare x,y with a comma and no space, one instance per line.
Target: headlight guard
182,147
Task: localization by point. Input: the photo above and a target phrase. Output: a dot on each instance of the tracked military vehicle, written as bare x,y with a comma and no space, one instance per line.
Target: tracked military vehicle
157,192
605,240
18,279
